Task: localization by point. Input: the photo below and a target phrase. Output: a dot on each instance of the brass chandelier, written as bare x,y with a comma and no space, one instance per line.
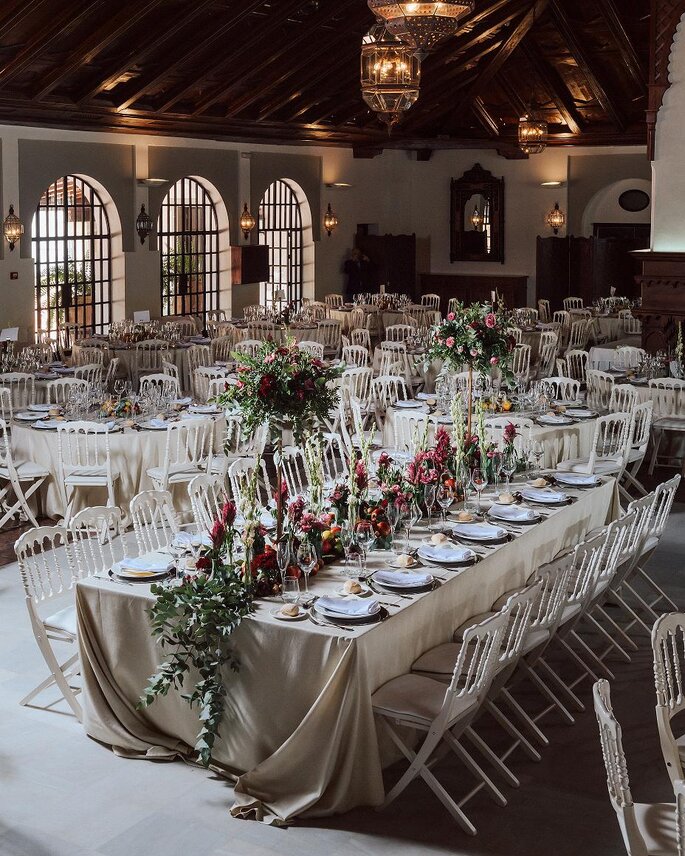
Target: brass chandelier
422,25
532,133
390,75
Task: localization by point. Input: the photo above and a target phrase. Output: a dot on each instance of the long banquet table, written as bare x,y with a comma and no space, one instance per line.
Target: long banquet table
301,738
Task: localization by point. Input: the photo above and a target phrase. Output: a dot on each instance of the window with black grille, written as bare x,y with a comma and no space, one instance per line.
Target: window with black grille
71,245
280,228
189,244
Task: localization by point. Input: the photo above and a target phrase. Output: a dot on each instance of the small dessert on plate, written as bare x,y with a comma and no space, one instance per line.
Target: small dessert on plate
352,587
465,517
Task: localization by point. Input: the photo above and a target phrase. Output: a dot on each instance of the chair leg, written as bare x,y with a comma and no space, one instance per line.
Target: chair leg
617,627
515,706
58,676
558,681
494,759
512,730
656,443
662,594
547,692
474,768
612,642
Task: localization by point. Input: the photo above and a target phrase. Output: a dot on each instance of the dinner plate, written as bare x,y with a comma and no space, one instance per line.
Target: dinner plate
479,531
544,496
577,479
554,420
45,375
149,567
410,404
48,424
65,370
41,408
302,614
426,396
513,514
25,416
581,413
154,425
392,580
446,554
205,409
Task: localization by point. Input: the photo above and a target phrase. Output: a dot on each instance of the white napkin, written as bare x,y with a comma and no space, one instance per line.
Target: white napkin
149,562
204,408
156,423
404,579
343,606
584,479
183,401
579,411
48,423
183,539
512,512
479,531
554,419
445,553
543,494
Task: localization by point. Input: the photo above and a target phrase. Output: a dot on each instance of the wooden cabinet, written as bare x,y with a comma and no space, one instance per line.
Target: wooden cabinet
475,288
249,264
393,259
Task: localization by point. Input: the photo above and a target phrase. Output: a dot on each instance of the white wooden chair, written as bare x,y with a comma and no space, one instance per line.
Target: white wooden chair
386,390
96,544
6,409
221,349
544,313
207,494
624,398
355,356
335,301
520,364
314,349
563,319
632,326
202,377
600,387
240,472
647,828
261,330
329,333
91,373
58,391
564,389
548,353
154,520
249,347
516,334
199,356
187,453
112,371
495,427
641,432
361,336
668,649
148,357
572,303
46,570
335,460
442,713
609,450
84,461
357,382
163,383
398,332
629,357
186,326
409,429
579,336
577,363
668,395
19,480
432,301
22,387
295,472
87,355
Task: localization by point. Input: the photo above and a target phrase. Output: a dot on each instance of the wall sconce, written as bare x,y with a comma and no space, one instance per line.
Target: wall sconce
330,221
556,219
477,219
247,222
12,228
144,224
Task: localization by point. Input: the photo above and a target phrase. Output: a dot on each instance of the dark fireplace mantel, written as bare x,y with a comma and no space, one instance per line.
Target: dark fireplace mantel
662,280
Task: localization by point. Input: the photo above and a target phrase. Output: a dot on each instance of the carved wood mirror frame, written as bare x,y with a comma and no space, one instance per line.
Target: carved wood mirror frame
476,181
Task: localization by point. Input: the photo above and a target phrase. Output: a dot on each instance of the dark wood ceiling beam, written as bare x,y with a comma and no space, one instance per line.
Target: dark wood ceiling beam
244,55
484,116
629,55
142,87
556,87
495,64
113,27
512,94
17,12
42,38
138,54
585,63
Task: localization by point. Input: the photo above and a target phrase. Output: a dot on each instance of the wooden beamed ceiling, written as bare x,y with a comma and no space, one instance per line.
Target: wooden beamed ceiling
288,71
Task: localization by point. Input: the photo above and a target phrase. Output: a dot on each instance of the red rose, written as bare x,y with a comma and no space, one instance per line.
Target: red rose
266,384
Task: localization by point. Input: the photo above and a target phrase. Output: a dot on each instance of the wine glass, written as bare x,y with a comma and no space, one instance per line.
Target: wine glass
429,497
392,512
346,541
405,522
306,559
445,496
509,464
497,468
363,535
290,589
119,387
479,481
538,453
283,556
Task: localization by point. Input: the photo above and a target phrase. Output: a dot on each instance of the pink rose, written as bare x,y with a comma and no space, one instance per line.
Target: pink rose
494,361
461,349
474,352
490,320
450,316
449,341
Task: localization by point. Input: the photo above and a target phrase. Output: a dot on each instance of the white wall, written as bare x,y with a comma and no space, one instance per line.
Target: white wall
394,191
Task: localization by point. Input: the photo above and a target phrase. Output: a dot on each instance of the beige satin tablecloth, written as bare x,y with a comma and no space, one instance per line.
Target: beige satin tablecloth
301,736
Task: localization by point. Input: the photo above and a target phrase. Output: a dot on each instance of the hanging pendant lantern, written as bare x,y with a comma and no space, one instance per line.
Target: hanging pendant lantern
144,224
556,219
390,75
247,222
421,25
532,133
12,228
477,219
330,221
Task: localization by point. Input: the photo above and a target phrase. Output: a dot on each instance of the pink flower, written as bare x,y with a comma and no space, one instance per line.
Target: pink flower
494,361
460,349
269,358
450,341
490,320
450,316
474,352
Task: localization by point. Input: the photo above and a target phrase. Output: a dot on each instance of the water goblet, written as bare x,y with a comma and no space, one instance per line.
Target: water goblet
306,560
429,497
290,590
363,535
445,495
509,464
479,481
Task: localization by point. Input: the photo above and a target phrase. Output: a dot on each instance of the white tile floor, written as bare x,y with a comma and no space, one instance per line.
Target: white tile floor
62,794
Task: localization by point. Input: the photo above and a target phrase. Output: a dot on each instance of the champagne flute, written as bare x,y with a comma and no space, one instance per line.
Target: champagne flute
479,482
392,512
429,497
346,540
405,522
306,559
363,536
509,464
284,556
497,468
445,496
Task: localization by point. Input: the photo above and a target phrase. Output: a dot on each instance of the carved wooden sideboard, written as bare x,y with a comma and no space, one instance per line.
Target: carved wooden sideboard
662,281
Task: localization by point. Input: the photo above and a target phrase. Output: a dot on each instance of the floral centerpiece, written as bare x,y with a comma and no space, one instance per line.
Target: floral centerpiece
123,408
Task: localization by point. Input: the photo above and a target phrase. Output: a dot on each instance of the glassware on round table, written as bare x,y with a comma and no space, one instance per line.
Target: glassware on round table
346,541
537,451
429,497
284,556
509,460
445,495
392,512
290,591
479,482
306,560
363,535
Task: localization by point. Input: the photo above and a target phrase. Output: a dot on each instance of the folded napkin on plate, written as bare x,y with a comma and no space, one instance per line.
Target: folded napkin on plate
183,539
183,401
156,423
348,607
149,562
479,530
576,478
538,494
400,578
579,411
106,426
553,419
445,553
512,512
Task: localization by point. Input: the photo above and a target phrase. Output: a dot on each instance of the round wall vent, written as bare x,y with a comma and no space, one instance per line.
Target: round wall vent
634,200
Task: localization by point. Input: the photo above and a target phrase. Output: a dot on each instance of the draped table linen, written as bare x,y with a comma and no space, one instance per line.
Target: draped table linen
300,736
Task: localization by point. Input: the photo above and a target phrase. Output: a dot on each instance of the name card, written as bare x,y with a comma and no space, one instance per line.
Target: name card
9,334
141,317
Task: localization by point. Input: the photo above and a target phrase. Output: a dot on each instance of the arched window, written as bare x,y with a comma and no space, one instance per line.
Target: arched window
189,245
72,248
280,228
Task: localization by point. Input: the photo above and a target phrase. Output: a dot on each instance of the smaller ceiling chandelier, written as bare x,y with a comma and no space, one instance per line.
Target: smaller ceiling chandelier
247,222
556,219
390,75
422,25
144,224
12,228
330,221
532,133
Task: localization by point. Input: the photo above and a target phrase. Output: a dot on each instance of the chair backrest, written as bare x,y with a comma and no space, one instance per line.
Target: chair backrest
516,334
611,440
587,565
548,353
398,332
88,354
185,326
170,369
201,378
216,386
600,386
358,383
623,398
334,300
329,333
618,783
91,372
46,571
188,442
387,389
663,502
249,347
577,364
432,301
150,354
544,311
58,391
356,355
313,348
496,426
113,368
668,395
165,385
22,388
572,303
554,580
631,326
361,336
154,520
409,429
96,540
239,474
6,410
261,330
198,356
240,441
628,357
358,319
520,363
207,494
519,609
222,348
579,335
561,388
83,444
295,471
335,459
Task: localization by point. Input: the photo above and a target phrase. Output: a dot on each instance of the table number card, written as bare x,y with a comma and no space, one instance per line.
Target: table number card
142,317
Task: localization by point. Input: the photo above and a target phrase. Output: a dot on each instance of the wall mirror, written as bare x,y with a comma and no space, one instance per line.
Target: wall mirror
477,217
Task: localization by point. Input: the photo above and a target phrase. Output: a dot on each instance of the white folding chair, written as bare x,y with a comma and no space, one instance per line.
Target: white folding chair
19,480
632,326
187,453
668,395
149,356
398,332
355,356
624,398
409,430
516,334
222,349
335,301
639,440
84,461
249,347
207,494
495,427
564,389
97,543
329,333
609,450
577,364
91,373
240,472
361,336
154,520
668,649
629,357
600,387
202,377
432,301
572,303
112,370
22,388
46,569
579,336
315,349
87,354
58,391
520,363
544,311
295,472
442,713
646,827
164,385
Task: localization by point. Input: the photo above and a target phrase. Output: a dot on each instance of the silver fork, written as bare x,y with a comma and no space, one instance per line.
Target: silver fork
322,623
